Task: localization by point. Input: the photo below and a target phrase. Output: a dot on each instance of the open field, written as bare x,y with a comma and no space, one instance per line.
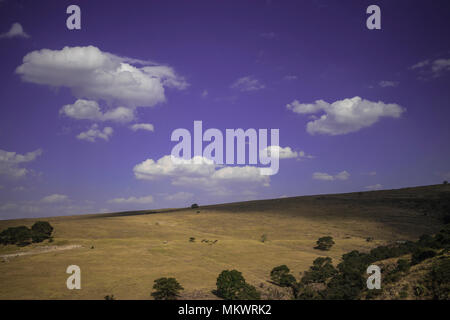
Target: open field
123,253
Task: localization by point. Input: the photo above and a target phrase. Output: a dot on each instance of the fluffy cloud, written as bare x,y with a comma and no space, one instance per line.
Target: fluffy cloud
90,110
248,83
96,75
345,116
200,172
95,133
55,198
343,175
16,31
431,68
142,126
10,162
385,84
133,200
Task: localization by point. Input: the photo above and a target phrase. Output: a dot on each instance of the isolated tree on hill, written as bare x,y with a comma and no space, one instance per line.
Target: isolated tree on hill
194,206
324,243
42,227
166,289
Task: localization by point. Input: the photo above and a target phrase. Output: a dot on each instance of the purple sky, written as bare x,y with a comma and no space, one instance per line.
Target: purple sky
297,66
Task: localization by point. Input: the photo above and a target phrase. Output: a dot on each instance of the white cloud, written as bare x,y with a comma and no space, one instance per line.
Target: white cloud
200,172
133,200
345,116
343,175
55,198
96,75
385,84
431,68
179,196
10,162
283,153
374,187
142,126
204,93
16,31
248,83
90,110
95,133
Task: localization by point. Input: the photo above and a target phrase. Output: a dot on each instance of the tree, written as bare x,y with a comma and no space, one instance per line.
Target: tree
445,182
281,276
42,227
422,254
166,289
16,235
231,285
324,243
194,206
320,271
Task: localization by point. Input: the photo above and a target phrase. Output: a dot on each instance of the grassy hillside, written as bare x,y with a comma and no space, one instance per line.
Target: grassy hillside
123,253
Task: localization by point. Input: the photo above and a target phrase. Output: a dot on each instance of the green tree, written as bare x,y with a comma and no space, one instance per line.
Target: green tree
324,243
42,227
166,289
321,270
281,276
231,285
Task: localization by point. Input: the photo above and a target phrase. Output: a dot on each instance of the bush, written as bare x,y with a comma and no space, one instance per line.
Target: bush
439,277
191,239
419,290
422,254
231,285
166,289
264,238
402,265
110,297
445,182
324,243
194,206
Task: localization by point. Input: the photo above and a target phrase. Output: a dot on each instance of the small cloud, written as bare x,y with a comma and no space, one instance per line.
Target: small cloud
94,133
343,175
374,187
204,93
16,31
431,68
385,84
142,126
372,173
55,198
179,196
283,153
133,200
11,162
90,110
248,83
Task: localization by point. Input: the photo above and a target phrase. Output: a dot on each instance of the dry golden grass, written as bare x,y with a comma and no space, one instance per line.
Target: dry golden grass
132,250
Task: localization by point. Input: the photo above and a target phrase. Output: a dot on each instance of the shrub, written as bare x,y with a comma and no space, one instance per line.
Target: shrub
422,254
445,182
264,238
231,285
439,277
419,290
191,239
166,289
402,265
324,243
110,297
194,206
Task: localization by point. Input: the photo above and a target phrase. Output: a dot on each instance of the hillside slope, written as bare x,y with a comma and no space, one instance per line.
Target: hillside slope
123,253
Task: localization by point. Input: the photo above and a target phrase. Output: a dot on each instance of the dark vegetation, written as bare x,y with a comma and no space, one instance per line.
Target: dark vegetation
23,236
325,243
194,206
231,285
166,289
348,280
